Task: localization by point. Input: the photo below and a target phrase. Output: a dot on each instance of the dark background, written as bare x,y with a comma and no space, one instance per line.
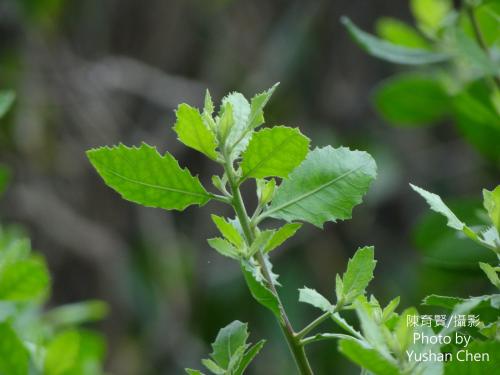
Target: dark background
97,72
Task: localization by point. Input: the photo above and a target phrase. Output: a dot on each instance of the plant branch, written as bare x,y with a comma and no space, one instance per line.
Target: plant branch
316,322
296,348
323,336
480,37
220,198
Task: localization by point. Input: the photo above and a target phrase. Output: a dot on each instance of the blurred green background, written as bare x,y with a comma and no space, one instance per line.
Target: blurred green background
95,72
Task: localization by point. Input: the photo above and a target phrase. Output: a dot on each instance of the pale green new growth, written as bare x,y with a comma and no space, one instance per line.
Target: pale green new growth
193,132
231,354
228,231
358,275
281,235
491,201
315,299
491,273
488,237
437,205
142,175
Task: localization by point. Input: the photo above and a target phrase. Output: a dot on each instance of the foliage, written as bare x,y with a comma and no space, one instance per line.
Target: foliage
454,53
231,354
315,186
51,342
292,184
34,340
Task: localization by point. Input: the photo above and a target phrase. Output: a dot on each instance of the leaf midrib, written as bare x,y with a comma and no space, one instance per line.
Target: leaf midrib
159,187
309,193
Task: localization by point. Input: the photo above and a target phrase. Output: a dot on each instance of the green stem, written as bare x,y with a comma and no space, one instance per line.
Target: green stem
313,325
480,38
324,336
294,344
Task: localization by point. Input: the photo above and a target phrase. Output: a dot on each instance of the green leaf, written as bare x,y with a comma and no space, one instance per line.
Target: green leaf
442,247
248,357
442,301
312,297
228,341
367,357
372,329
390,308
477,119
260,242
192,131
77,313
213,367
491,202
403,332
437,205
430,14
400,33
225,121
23,280
208,107
281,235
62,353
190,371
6,100
389,51
490,348
257,105
90,356
14,357
274,151
260,292
228,231
411,99
224,247
265,190
325,187
491,273
239,134
467,50
358,275
142,175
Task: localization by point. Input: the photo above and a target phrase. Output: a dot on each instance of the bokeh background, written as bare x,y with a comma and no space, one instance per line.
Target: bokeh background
97,72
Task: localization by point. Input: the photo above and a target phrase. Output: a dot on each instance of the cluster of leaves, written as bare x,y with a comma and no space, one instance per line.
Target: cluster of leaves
34,340
296,185
293,183
231,354
456,73
384,339
488,306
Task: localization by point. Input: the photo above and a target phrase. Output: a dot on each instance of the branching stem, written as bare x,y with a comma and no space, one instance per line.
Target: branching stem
316,322
238,205
324,336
